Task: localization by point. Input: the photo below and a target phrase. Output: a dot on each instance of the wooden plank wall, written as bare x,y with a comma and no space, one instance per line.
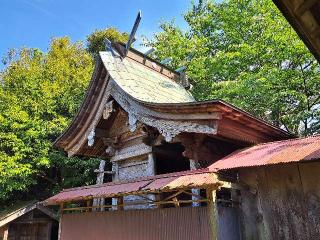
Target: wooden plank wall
281,202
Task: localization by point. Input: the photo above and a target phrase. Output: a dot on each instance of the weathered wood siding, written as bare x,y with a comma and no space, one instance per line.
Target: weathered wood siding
281,202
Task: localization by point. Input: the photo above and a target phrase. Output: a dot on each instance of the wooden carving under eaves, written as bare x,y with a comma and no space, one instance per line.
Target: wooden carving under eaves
108,109
195,148
167,124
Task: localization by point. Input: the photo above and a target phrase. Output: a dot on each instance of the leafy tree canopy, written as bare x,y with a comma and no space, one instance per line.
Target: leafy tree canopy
96,40
246,53
39,95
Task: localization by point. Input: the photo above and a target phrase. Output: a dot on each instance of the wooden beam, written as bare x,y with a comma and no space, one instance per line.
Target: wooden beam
213,213
194,195
99,132
5,235
138,203
173,195
305,6
176,202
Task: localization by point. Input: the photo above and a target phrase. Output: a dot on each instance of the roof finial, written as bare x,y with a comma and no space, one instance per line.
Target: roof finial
133,32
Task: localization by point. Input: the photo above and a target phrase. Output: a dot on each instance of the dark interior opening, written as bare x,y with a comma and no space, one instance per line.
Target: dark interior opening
169,158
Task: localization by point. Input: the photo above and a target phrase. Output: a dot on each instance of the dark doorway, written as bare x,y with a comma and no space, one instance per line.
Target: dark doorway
169,158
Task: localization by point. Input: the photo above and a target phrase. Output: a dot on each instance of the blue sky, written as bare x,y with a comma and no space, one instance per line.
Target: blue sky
32,23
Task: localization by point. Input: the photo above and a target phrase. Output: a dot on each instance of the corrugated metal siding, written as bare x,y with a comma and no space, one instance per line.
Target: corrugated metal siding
295,150
228,219
158,224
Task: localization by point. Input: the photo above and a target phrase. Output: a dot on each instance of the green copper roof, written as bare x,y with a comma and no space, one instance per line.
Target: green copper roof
142,82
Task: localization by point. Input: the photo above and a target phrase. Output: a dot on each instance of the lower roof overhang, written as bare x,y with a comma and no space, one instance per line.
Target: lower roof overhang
273,153
202,179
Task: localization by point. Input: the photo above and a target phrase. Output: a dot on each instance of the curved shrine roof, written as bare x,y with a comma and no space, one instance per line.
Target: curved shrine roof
142,82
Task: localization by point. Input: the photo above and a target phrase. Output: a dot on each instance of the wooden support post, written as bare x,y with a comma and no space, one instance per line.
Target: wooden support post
60,220
120,203
115,177
193,166
89,203
99,201
151,165
213,213
5,232
158,198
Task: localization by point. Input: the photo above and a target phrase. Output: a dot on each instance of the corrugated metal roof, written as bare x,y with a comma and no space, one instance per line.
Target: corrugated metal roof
143,83
280,152
167,182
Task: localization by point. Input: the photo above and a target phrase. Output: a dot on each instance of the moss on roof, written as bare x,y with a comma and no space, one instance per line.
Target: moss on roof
142,82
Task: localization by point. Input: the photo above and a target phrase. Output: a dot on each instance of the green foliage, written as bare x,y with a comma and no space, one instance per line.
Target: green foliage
96,40
246,53
39,95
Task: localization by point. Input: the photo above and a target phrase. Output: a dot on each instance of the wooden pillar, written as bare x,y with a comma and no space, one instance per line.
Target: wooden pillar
100,177
213,213
119,202
158,198
89,204
151,165
115,177
194,166
5,232
60,220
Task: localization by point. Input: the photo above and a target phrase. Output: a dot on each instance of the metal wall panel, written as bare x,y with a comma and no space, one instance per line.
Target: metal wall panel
228,219
157,224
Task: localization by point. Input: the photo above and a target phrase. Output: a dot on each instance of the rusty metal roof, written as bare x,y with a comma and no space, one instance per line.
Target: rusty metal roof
279,152
159,183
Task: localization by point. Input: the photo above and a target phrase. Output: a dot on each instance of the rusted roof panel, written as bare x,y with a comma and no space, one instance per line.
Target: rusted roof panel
184,181
280,152
167,182
88,192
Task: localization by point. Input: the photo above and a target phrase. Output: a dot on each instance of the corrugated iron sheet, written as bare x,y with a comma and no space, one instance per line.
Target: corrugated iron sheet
81,193
189,179
157,224
184,181
280,152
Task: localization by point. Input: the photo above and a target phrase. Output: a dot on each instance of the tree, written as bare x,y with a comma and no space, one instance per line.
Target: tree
246,53
39,96
96,41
